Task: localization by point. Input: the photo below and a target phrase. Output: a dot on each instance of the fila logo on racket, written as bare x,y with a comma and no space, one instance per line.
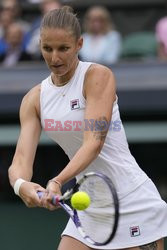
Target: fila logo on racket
134,231
74,104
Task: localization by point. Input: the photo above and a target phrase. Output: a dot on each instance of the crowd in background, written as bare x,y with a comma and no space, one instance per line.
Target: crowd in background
103,43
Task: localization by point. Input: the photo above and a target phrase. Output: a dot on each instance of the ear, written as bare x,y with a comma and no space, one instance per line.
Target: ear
79,43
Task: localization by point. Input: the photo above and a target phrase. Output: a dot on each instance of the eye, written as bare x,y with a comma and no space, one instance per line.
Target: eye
47,48
64,48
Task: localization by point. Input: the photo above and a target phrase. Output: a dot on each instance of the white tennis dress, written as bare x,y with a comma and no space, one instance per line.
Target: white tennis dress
143,214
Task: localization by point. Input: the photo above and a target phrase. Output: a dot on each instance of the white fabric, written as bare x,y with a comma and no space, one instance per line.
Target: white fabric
62,115
115,159
142,210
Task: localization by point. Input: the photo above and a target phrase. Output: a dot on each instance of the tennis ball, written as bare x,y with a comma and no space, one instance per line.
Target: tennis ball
80,200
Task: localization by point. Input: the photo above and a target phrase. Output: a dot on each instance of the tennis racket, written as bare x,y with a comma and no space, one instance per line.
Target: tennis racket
98,223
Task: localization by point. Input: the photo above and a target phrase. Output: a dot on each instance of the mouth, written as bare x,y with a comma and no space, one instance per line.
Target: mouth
56,66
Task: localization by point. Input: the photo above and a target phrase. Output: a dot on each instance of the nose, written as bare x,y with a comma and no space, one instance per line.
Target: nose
55,56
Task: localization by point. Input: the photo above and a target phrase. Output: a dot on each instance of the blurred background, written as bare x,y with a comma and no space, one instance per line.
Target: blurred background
128,36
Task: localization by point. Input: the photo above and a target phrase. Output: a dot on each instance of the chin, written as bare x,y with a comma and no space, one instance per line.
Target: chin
58,72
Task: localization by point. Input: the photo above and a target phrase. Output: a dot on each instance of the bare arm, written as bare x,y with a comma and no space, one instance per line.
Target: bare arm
161,52
100,95
22,164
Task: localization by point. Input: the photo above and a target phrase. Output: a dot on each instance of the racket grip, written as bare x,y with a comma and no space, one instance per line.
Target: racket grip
55,198
40,194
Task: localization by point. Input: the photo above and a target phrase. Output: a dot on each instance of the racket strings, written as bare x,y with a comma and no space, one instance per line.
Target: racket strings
99,192
98,219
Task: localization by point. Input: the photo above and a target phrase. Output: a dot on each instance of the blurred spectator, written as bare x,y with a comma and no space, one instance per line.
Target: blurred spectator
34,1
11,12
102,44
5,20
32,39
161,34
13,46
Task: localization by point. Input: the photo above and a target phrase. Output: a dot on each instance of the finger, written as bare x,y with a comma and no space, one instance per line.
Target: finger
40,198
47,201
43,199
51,207
40,188
30,203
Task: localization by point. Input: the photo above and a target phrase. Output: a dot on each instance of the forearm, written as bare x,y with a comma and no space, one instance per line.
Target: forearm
19,170
22,164
84,156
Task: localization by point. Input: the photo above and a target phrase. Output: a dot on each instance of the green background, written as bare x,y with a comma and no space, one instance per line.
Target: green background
23,228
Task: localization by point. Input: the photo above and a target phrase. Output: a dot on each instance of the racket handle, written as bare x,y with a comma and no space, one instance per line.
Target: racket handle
40,194
55,198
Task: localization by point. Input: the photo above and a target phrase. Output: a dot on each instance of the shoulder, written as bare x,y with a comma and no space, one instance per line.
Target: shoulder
99,77
32,99
33,93
98,72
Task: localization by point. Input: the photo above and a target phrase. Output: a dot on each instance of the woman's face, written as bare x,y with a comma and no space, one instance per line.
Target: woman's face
97,22
60,50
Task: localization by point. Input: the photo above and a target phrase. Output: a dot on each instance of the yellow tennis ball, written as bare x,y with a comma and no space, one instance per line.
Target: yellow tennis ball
80,200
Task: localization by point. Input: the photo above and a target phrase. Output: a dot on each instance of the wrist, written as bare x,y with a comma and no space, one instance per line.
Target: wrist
17,185
56,182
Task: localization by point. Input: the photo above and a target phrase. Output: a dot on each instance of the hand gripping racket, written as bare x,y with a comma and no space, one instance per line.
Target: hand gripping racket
98,223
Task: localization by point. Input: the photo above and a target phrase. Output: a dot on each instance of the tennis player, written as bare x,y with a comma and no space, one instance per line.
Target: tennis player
77,107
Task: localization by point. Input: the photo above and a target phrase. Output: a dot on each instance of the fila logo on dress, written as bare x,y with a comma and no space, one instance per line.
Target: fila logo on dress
74,104
134,231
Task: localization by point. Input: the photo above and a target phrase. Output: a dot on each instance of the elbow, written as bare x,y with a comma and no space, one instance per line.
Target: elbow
10,176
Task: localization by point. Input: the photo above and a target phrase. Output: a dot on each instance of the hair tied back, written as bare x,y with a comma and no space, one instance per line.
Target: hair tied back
67,9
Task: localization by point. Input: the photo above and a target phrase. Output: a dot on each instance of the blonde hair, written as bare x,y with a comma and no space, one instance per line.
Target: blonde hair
63,18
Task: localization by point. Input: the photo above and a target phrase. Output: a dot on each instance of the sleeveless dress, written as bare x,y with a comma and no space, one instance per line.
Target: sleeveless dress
141,207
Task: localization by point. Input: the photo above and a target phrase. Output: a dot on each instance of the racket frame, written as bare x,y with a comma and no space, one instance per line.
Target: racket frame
60,200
